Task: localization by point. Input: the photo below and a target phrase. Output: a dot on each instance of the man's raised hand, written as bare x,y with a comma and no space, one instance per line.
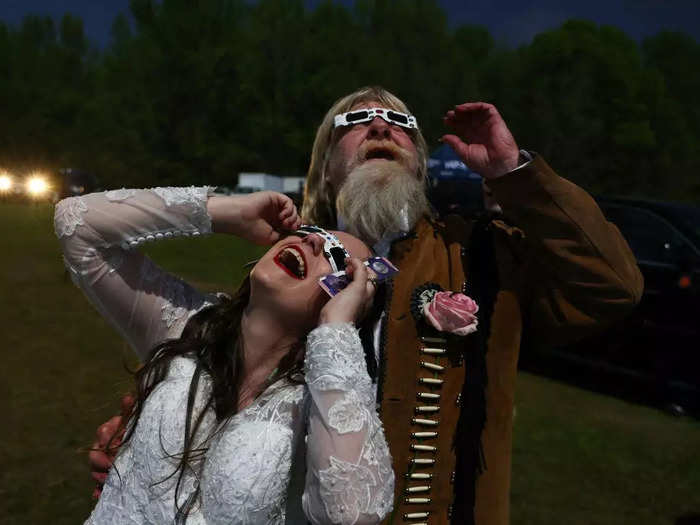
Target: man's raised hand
108,439
482,139
258,217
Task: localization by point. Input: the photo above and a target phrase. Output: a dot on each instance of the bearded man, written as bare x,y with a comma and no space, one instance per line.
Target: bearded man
552,270
555,271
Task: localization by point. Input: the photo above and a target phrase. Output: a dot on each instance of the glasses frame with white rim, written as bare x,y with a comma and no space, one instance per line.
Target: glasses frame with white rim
358,116
333,249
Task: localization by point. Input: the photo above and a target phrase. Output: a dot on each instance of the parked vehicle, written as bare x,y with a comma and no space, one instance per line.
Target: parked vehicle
654,355
28,187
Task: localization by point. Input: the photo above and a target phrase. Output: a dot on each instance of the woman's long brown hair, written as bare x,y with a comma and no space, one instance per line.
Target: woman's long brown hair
212,339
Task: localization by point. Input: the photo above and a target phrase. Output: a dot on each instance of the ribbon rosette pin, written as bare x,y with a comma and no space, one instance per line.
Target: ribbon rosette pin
451,312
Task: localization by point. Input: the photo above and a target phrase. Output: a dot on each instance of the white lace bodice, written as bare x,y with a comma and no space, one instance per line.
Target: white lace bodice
299,452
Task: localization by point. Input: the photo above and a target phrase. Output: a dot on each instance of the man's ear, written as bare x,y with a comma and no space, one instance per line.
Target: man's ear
327,188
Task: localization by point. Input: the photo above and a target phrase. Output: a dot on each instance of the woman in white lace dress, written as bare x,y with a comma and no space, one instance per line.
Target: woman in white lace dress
226,428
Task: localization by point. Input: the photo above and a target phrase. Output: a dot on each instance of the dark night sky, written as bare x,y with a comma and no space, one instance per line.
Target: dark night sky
511,21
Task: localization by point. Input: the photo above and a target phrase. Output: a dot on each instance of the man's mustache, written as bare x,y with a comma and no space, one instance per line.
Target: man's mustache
383,149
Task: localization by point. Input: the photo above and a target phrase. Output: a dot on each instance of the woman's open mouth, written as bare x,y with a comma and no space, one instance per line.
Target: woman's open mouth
291,259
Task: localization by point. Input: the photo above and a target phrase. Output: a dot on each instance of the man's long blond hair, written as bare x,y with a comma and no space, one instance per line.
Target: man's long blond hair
319,198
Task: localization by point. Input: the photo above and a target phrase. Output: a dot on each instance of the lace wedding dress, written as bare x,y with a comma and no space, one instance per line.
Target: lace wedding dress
314,452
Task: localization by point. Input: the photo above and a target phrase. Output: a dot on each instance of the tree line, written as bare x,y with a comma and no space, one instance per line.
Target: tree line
192,92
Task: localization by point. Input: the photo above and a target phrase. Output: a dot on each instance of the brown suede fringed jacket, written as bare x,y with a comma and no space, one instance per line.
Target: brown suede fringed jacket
553,270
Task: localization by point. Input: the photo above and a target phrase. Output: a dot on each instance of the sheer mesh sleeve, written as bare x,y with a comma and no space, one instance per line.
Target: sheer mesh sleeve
99,233
349,478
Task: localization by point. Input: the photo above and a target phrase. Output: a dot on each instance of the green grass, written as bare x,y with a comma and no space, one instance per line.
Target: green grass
579,457
583,458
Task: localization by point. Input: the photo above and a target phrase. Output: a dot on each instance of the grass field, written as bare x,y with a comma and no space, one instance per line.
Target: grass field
579,457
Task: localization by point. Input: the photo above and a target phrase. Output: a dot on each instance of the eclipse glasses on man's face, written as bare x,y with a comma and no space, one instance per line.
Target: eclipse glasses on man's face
359,116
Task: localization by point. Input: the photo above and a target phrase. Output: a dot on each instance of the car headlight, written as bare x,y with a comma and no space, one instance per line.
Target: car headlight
5,182
37,186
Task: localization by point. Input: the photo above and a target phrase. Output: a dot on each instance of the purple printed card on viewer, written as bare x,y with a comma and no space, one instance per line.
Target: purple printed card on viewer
380,267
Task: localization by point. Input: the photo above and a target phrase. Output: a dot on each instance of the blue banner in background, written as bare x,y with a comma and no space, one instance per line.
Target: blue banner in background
444,164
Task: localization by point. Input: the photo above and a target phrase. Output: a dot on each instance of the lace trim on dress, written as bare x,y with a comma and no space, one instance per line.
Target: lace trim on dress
120,195
350,490
376,455
274,404
175,307
191,200
69,215
247,472
177,301
145,465
346,490
347,415
331,366
172,313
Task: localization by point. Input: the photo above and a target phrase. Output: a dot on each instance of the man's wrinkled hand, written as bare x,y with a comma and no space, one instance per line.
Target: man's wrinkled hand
108,439
482,139
258,217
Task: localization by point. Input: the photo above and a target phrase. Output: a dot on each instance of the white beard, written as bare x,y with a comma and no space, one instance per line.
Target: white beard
378,197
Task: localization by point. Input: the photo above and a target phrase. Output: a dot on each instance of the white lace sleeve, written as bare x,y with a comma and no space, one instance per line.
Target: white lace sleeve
98,234
349,478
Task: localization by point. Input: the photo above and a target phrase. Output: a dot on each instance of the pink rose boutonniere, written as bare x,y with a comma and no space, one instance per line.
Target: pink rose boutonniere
452,312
